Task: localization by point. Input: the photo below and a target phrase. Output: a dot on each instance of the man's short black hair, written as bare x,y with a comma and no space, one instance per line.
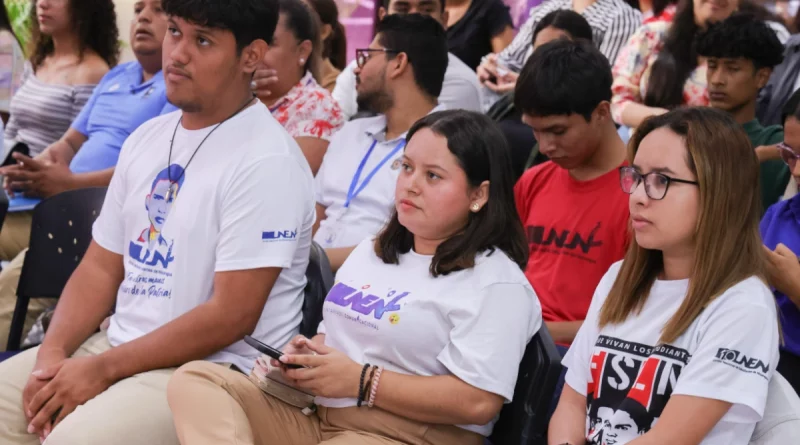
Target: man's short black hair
248,20
386,4
424,42
741,36
564,77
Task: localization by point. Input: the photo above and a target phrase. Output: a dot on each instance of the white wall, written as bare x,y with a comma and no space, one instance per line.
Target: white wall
124,9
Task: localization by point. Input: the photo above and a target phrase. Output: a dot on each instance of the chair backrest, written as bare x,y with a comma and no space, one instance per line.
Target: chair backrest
60,234
320,281
524,421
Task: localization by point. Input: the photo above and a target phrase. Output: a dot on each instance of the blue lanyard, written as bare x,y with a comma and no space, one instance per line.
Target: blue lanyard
355,189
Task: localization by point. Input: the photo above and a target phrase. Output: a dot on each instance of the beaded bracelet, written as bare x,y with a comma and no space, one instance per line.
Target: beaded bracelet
362,391
374,389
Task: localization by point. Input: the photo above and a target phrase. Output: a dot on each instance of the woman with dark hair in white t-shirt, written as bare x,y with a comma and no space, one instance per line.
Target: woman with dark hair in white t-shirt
681,339
425,328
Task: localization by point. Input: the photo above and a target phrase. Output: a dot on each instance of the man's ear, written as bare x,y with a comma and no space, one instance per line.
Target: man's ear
252,55
762,77
397,66
381,13
603,111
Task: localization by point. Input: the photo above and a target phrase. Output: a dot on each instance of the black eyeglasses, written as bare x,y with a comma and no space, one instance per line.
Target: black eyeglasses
655,184
788,155
363,55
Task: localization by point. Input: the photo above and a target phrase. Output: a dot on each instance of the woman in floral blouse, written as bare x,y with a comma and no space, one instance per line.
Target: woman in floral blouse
658,69
288,83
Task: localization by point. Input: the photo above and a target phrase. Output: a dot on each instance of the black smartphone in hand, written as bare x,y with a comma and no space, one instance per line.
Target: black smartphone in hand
269,351
19,147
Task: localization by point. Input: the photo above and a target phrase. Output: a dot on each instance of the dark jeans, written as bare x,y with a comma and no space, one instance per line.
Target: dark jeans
789,368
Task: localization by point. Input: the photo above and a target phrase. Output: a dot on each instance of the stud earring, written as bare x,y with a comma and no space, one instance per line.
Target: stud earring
476,207
302,61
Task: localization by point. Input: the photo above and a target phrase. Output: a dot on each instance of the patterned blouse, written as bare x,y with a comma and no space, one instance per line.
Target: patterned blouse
308,110
632,70
42,112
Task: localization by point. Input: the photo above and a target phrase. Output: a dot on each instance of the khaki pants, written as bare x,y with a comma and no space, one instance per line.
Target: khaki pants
133,411
15,234
9,279
215,405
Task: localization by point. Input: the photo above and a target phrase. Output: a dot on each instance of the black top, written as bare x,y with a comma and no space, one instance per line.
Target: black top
470,38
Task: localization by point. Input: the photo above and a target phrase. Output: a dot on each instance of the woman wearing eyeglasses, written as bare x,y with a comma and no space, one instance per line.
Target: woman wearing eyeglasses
780,230
681,340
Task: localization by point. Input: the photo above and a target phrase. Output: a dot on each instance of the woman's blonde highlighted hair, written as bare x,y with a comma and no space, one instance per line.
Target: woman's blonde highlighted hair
727,240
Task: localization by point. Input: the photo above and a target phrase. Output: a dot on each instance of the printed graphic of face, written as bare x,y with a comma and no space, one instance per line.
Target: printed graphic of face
596,427
620,429
159,202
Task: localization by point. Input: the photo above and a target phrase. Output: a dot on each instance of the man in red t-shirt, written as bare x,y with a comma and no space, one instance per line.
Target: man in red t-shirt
572,207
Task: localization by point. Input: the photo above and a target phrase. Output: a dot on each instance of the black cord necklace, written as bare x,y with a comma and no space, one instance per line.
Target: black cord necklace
171,142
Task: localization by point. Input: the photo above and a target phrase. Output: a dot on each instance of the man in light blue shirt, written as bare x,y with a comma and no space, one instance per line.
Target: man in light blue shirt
128,96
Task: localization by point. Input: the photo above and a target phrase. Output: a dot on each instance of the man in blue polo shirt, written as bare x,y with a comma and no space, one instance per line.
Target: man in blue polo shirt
127,96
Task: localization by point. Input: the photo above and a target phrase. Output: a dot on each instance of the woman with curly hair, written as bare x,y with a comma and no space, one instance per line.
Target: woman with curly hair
73,44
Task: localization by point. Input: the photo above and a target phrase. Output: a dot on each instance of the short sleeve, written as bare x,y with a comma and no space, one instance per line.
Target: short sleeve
487,345
81,96
460,90
325,122
579,357
81,123
345,91
513,57
619,31
735,357
259,226
497,17
109,229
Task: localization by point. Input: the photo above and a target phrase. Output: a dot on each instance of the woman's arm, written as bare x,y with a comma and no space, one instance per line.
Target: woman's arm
502,39
633,114
314,150
441,399
686,420
568,423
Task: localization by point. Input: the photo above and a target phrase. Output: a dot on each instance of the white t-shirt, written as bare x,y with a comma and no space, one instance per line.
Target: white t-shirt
460,88
473,324
729,353
244,202
346,226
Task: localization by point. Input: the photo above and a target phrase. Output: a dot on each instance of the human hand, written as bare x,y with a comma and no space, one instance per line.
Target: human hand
328,373
506,82
45,360
487,69
296,346
263,79
37,178
70,384
783,270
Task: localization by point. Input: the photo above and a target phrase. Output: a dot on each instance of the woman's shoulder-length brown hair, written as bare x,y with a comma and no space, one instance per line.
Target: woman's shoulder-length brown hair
727,240
482,152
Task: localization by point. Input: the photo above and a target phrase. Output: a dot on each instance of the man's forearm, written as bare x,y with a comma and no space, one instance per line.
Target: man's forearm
93,179
563,331
195,335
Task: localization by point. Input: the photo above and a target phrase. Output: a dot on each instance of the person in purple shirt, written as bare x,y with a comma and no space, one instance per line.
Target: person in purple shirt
780,231
128,96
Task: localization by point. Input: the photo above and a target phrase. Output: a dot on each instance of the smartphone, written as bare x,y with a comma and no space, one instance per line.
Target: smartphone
269,351
19,147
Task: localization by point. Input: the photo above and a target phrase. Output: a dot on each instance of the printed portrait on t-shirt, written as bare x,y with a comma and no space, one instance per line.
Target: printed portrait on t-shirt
150,247
630,385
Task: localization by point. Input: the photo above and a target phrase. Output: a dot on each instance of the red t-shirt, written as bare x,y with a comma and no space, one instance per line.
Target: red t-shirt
576,230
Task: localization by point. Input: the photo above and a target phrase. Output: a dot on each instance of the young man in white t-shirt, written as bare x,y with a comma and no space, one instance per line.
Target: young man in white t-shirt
208,214
399,76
